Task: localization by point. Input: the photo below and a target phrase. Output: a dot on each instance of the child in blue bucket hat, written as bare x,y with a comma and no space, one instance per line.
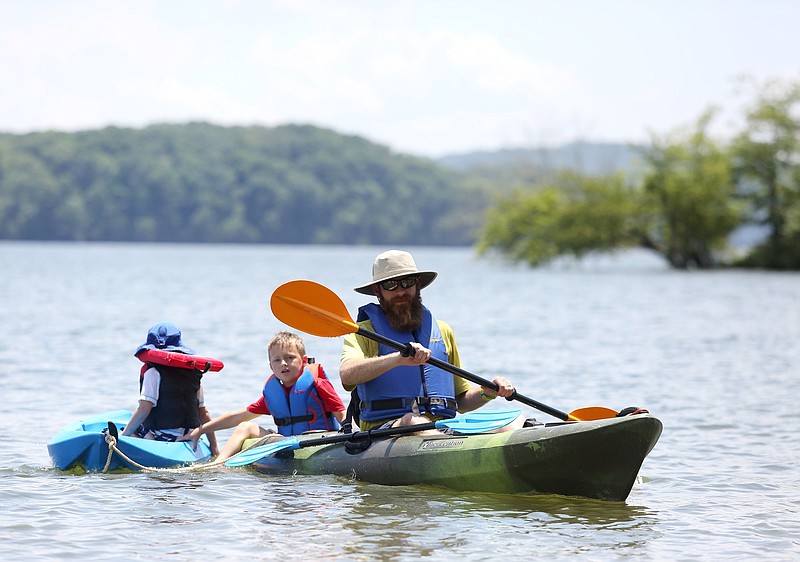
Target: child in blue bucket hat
165,336
171,400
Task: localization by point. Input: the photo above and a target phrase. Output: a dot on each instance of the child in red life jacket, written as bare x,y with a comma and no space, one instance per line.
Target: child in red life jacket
171,400
297,395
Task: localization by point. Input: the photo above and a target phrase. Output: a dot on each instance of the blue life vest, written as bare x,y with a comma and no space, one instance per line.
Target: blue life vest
397,391
177,398
302,410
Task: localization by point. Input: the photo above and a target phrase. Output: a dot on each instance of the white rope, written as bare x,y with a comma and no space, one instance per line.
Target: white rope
112,448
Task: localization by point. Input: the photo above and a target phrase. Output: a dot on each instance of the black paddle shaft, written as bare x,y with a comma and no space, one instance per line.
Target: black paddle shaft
385,432
408,350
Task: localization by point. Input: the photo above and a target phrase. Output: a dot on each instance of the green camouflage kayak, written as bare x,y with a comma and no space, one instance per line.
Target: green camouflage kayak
595,459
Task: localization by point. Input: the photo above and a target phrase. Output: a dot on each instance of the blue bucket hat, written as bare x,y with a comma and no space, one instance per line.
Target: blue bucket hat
166,337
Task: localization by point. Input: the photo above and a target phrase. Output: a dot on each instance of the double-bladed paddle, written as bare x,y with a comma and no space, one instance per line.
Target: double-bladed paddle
469,423
313,308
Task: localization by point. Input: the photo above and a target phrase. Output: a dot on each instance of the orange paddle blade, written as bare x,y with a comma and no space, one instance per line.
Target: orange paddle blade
311,308
590,413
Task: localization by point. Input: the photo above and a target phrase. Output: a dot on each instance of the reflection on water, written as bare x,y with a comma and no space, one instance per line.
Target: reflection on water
398,518
291,516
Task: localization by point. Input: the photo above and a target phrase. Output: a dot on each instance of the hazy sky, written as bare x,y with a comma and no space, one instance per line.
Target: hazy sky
427,77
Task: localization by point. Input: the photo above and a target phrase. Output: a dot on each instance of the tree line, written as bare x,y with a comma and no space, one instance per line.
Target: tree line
300,184
692,193
199,182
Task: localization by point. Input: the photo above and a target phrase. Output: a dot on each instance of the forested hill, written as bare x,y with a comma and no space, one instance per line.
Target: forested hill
198,182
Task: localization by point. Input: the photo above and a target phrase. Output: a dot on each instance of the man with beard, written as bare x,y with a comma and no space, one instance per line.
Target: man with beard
390,388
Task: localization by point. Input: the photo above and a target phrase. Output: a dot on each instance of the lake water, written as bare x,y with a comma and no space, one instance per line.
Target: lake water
714,355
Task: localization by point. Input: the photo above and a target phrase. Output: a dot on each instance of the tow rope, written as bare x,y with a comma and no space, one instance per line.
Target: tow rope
111,439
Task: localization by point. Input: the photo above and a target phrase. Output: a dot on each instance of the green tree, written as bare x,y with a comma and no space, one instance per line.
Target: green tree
767,167
574,216
28,197
203,183
683,209
690,190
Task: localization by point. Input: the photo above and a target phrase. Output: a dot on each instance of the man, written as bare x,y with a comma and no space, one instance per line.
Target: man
396,390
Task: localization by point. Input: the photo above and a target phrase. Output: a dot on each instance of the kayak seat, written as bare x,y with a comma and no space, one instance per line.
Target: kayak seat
358,445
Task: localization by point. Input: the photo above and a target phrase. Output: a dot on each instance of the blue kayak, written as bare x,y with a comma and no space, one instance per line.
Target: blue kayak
82,445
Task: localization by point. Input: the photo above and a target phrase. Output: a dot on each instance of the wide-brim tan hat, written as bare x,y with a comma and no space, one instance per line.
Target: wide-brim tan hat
394,264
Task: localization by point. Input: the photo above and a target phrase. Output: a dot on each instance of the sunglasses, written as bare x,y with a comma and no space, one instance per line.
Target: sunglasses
405,283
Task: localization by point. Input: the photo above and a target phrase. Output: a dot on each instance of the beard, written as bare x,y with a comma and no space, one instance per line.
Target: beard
404,316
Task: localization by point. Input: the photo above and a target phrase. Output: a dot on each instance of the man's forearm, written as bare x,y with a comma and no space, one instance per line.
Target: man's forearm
356,371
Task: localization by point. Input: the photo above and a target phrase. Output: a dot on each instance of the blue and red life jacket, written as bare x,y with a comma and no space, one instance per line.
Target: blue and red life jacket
302,409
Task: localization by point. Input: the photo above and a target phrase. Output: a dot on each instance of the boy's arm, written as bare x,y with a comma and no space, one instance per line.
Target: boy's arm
225,421
205,416
330,399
